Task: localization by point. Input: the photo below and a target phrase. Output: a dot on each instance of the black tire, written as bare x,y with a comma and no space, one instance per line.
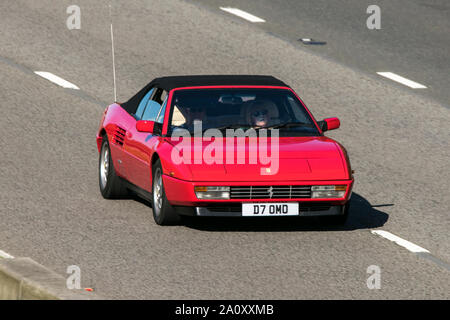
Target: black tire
339,219
163,212
112,187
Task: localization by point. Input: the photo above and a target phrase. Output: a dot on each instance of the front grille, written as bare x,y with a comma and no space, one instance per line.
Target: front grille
315,206
270,192
303,206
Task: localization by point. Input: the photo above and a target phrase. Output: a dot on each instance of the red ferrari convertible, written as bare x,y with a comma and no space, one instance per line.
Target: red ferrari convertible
223,145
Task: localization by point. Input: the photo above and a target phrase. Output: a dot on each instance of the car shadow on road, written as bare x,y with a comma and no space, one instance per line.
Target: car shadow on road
362,215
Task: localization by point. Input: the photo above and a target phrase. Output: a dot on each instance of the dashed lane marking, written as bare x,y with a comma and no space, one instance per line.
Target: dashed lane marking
55,79
242,14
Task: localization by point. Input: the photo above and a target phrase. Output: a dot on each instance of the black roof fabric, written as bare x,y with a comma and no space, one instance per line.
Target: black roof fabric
169,83
172,82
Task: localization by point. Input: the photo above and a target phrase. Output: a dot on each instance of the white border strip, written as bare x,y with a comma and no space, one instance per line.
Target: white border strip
55,79
244,15
401,242
5,255
401,80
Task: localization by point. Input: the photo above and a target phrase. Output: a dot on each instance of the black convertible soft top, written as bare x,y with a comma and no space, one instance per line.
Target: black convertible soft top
172,82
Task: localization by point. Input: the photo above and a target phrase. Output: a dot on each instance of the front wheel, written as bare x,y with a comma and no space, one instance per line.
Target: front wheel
163,212
111,186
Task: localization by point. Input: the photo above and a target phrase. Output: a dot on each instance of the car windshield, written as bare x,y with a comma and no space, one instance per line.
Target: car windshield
234,108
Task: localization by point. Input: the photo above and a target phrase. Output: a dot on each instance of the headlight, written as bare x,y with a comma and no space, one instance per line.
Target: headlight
212,192
328,191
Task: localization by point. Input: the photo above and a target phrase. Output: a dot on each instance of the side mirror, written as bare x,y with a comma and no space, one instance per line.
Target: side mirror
145,126
329,124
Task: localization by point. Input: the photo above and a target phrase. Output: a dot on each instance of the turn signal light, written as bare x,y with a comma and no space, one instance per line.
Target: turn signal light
212,192
327,192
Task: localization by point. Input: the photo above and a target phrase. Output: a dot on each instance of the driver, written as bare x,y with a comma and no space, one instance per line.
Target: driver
258,112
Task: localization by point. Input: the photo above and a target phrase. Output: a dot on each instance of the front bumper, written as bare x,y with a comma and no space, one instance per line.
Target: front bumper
181,193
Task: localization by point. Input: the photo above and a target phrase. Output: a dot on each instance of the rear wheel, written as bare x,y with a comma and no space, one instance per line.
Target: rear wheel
163,212
111,186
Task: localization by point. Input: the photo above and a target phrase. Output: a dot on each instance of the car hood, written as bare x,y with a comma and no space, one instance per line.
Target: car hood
299,158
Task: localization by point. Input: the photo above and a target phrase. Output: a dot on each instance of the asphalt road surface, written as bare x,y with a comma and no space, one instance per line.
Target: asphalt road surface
398,139
413,42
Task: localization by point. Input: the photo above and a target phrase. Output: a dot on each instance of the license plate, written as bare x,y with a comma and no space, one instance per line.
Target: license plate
269,209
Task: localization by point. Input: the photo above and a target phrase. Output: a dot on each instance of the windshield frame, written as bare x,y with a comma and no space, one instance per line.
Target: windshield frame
169,111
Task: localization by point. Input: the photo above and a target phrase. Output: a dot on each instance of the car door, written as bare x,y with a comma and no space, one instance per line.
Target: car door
141,145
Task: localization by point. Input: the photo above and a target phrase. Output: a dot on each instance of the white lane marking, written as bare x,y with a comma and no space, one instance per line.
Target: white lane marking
5,255
401,242
402,80
242,14
55,79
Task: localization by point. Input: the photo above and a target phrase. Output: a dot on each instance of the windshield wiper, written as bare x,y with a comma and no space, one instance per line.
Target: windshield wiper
247,126
233,126
291,124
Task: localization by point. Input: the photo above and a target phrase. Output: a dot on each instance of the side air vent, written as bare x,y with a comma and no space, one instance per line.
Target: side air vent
119,136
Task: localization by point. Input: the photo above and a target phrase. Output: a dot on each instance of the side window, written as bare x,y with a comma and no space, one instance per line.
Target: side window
151,111
163,96
160,118
143,104
153,107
